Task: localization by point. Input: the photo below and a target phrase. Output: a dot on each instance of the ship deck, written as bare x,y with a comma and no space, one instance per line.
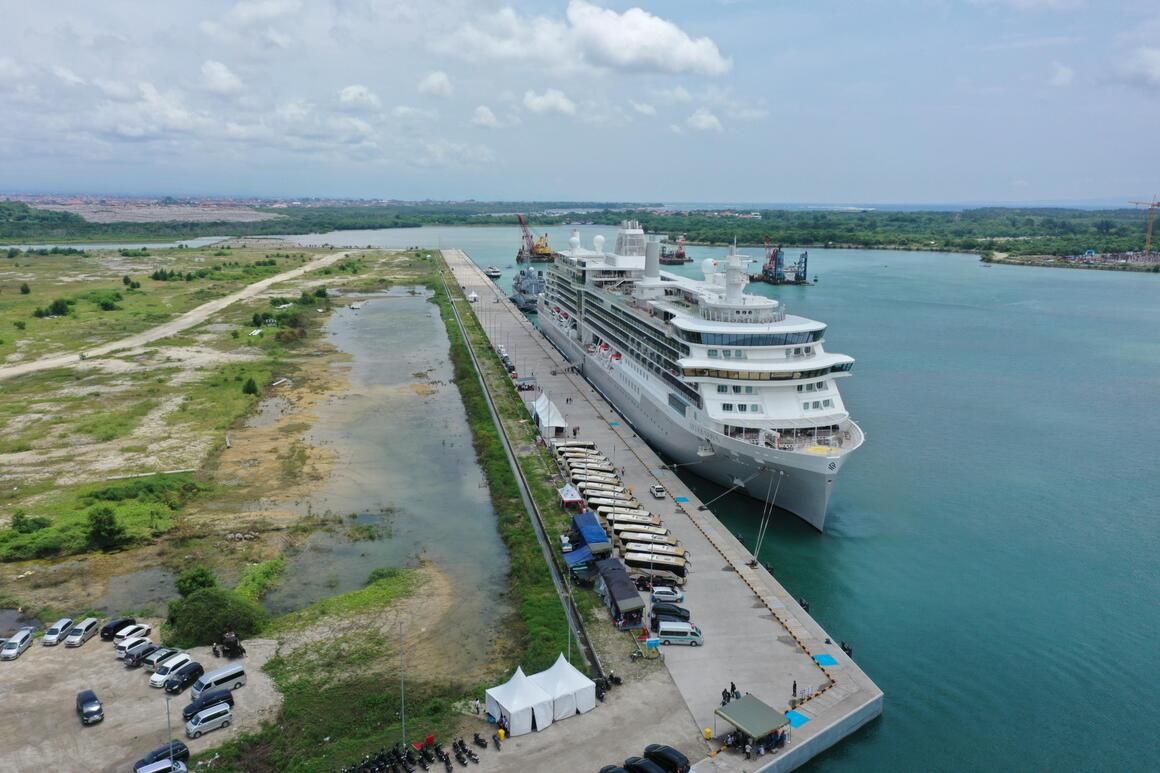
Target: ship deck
756,634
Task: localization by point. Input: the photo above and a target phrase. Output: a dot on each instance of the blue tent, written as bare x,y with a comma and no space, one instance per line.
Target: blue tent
591,532
578,556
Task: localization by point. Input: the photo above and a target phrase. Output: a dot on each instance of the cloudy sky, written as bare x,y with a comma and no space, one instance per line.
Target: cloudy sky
649,100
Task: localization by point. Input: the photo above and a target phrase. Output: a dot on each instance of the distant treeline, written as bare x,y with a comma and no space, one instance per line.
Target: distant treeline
1018,231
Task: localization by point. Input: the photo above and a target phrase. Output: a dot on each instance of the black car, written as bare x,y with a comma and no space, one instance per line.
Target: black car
205,700
670,611
89,707
613,769
639,765
135,661
667,757
109,629
180,753
183,677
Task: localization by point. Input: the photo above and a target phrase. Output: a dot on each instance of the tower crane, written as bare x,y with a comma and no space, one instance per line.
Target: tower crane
1152,206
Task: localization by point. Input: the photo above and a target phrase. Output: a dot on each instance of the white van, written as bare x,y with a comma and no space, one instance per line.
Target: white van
55,635
127,644
14,647
209,719
82,632
166,668
232,676
675,632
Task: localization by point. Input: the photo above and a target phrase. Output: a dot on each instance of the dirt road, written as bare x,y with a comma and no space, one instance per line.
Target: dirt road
187,320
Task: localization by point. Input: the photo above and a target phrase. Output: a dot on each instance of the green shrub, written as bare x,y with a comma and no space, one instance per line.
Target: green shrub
104,531
250,387
24,288
25,524
206,614
194,579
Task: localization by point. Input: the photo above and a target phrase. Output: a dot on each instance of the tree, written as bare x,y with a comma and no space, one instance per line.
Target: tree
256,320
104,531
25,289
126,280
250,387
194,579
207,613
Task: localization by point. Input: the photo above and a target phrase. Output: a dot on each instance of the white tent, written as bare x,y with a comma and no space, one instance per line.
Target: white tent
524,705
571,691
549,418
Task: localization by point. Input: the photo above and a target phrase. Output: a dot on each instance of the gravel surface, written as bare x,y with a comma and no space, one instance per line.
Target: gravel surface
41,728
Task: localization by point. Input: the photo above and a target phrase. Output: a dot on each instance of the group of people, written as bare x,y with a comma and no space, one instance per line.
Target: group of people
730,693
759,746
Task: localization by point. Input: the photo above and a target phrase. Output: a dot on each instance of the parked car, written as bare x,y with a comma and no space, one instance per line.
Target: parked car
657,491
671,611
176,750
82,632
164,765
667,757
641,765
613,769
89,707
183,677
109,629
157,657
209,719
167,667
15,646
132,632
671,595
205,700
129,644
57,632
135,657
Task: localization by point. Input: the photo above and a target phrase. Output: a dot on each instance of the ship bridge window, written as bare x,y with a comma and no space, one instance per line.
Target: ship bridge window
752,339
736,390
722,389
742,407
845,367
727,406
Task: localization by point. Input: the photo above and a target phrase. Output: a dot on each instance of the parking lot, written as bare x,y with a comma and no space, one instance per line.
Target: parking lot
42,731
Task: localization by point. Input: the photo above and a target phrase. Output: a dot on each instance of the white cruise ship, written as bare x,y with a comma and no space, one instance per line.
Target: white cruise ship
725,383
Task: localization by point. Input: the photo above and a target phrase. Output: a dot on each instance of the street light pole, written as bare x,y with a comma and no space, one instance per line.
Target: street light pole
402,685
169,727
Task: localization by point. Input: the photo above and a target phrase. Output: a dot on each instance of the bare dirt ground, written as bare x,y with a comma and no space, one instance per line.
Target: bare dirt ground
158,213
42,731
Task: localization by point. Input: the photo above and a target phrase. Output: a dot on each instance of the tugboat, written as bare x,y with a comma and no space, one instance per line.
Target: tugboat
526,288
492,272
675,258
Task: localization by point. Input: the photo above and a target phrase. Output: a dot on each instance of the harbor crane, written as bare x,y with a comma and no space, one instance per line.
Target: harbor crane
1152,206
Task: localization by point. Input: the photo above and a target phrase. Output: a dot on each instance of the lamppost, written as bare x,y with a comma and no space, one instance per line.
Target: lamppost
402,685
169,727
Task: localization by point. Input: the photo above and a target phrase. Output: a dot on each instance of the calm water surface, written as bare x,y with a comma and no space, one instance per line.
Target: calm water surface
992,551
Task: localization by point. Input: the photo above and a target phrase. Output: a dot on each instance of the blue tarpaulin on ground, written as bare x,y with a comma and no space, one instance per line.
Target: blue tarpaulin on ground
578,556
591,532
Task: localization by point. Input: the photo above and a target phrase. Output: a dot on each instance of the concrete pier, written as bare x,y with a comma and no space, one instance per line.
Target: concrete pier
756,635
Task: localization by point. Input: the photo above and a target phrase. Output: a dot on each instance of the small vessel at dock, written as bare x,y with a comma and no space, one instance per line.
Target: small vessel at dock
492,272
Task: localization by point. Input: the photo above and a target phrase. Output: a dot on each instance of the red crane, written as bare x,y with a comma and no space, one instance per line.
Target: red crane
529,240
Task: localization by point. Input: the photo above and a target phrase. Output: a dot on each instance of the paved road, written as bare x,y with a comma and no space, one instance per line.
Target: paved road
187,320
756,634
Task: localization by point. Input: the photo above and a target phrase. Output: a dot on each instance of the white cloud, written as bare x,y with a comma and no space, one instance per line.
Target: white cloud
675,94
552,100
483,116
358,97
68,76
219,79
703,121
10,71
1061,75
295,111
676,129
1142,67
637,40
115,90
408,113
589,37
644,108
435,83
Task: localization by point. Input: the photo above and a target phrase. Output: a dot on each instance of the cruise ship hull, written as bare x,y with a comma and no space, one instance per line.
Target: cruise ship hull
797,482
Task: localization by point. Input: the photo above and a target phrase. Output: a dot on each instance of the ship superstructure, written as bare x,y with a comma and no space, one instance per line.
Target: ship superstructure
726,383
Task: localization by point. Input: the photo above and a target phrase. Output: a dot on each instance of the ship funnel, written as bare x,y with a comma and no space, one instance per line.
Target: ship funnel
652,260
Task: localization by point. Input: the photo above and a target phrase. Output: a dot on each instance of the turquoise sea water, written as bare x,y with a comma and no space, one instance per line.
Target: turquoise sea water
993,552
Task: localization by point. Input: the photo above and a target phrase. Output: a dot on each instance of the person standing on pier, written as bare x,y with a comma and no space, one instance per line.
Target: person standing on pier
795,688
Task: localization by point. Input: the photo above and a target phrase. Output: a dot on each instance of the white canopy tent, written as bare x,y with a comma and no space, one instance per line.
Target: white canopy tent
522,703
571,691
548,417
